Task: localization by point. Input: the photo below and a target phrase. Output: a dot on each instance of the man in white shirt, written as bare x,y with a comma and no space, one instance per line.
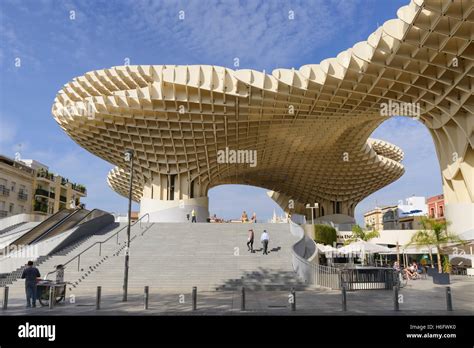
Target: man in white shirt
264,239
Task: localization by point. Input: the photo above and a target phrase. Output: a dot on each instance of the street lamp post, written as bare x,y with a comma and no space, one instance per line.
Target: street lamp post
316,206
128,158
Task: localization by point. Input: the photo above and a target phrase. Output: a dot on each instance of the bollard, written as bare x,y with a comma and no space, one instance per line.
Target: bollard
98,297
194,298
146,296
449,301
293,298
51,297
396,306
242,301
5,298
344,299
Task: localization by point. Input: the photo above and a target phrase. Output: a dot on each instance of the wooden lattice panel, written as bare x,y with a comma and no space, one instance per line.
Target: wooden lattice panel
310,127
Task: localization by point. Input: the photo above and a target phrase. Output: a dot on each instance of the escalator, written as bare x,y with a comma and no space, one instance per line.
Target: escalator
79,217
59,222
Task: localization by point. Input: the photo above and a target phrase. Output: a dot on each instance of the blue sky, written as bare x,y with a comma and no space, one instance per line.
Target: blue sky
53,49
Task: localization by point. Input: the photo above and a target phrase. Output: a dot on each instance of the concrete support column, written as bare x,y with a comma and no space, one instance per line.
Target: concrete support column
175,210
156,199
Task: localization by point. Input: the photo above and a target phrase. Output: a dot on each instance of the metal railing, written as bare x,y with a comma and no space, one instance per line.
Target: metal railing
311,272
22,196
368,278
116,234
325,276
44,193
4,191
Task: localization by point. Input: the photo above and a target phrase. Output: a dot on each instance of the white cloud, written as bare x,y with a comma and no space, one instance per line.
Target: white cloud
7,132
258,32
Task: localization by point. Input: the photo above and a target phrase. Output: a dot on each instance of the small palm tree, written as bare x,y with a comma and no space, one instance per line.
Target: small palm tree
359,234
434,234
424,238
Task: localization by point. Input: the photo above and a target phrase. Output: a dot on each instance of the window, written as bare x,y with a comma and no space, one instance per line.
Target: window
432,212
13,186
171,179
2,205
22,189
11,207
441,212
336,207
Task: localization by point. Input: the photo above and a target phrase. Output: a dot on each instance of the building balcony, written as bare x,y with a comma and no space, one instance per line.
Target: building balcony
3,213
4,191
44,193
42,174
40,207
22,196
79,188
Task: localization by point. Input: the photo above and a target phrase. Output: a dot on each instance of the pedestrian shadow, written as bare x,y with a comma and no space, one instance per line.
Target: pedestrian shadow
263,279
274,250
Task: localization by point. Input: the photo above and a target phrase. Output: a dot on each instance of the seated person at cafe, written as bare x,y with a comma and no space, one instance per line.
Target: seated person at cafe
412,271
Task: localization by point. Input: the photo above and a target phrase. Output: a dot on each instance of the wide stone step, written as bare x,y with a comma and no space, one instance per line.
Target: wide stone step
179,256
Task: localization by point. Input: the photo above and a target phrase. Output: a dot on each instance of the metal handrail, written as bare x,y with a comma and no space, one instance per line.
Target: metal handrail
312,273
78,256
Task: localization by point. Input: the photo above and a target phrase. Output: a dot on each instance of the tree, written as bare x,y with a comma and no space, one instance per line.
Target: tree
359,234
423,238
325,234
434,234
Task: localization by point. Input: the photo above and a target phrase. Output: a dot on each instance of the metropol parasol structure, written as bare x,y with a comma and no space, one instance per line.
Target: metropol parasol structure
309,127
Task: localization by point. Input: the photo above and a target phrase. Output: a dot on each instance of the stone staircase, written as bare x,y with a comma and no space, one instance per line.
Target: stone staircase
9,278
174,257
89,259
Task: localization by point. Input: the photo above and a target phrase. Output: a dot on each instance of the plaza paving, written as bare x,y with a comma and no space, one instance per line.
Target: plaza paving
420,297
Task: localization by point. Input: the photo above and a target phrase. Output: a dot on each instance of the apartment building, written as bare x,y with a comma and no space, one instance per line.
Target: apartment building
27,186
406,215
373,219
16,187
436,207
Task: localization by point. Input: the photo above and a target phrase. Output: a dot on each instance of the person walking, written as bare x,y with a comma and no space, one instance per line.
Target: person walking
264,239
30,274
193,216
250,240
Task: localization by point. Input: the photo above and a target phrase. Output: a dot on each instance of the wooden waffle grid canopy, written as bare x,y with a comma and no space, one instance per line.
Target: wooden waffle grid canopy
309,127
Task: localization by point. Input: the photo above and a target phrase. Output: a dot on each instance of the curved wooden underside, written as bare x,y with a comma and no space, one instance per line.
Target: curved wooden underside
309,127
